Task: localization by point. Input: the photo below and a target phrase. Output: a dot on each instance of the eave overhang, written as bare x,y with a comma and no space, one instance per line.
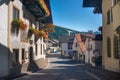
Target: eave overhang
49,18
36,8
97,4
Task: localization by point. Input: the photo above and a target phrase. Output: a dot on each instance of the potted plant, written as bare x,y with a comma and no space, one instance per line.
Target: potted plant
49,26
45,35
44,7
15,26
23,25
30,32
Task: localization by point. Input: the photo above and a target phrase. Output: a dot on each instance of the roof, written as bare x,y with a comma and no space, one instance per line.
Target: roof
90,35
95,37
92,3
66,39
37,7
97,4
80,39
82,47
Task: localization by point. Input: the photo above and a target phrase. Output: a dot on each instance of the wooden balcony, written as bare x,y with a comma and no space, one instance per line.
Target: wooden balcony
35,8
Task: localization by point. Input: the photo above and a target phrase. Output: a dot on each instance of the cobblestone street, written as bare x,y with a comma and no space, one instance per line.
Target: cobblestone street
60,69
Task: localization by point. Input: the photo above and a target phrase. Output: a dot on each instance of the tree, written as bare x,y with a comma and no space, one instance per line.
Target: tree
100,29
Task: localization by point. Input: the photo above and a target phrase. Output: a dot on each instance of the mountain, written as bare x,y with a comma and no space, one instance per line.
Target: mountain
61,31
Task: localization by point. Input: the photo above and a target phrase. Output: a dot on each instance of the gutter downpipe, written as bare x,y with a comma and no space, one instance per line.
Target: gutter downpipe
8,36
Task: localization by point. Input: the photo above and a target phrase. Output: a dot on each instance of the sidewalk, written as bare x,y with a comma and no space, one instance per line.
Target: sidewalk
36,65
102,74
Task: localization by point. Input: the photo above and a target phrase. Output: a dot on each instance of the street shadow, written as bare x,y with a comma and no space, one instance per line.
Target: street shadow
8,67
53,55
66,62
32,66
62,73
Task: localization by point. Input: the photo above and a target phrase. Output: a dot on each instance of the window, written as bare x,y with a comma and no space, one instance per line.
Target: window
108,47
36,49
115,2
16,55
69,45
75,44
15,13
108,17
115,46
23,54
111,15
41,49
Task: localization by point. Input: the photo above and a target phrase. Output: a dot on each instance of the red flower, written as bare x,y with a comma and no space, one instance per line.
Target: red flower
23,25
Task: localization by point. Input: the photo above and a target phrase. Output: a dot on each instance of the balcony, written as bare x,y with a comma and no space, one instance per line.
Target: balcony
37,7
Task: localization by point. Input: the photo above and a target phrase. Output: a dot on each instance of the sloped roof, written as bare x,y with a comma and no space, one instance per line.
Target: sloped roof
65,39
82,47
80,39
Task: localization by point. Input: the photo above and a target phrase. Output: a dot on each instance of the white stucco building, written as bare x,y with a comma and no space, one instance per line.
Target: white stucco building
79,48
93,50
66,43
16,49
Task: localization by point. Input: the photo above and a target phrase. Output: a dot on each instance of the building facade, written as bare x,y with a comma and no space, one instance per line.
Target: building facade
79,48
93,53
111,30
66,43
111,23
20,42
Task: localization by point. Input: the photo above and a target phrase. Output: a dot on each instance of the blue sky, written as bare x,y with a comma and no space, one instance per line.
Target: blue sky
71,14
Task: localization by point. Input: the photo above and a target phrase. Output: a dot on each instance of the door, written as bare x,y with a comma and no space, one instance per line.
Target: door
16,55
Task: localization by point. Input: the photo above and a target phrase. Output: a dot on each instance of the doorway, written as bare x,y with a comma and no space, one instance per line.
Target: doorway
16,55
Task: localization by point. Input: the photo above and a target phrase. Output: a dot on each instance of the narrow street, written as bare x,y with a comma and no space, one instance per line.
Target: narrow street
60,69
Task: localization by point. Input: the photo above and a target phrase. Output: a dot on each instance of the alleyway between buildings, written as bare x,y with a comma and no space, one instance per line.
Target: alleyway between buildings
60,69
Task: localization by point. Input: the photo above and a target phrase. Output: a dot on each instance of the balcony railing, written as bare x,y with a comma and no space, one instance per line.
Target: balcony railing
37,7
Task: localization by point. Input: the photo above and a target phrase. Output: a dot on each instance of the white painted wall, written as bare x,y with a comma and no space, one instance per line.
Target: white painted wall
16,43
95,45
76,49
3,40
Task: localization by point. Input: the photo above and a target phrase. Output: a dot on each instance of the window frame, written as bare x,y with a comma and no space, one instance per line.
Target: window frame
17,9
76,44
109,47
116,46
108,16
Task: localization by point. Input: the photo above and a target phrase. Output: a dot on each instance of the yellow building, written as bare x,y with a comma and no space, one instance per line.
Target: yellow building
111,23
110,10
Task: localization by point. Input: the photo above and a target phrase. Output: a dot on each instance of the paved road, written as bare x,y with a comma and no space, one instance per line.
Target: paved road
60,69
